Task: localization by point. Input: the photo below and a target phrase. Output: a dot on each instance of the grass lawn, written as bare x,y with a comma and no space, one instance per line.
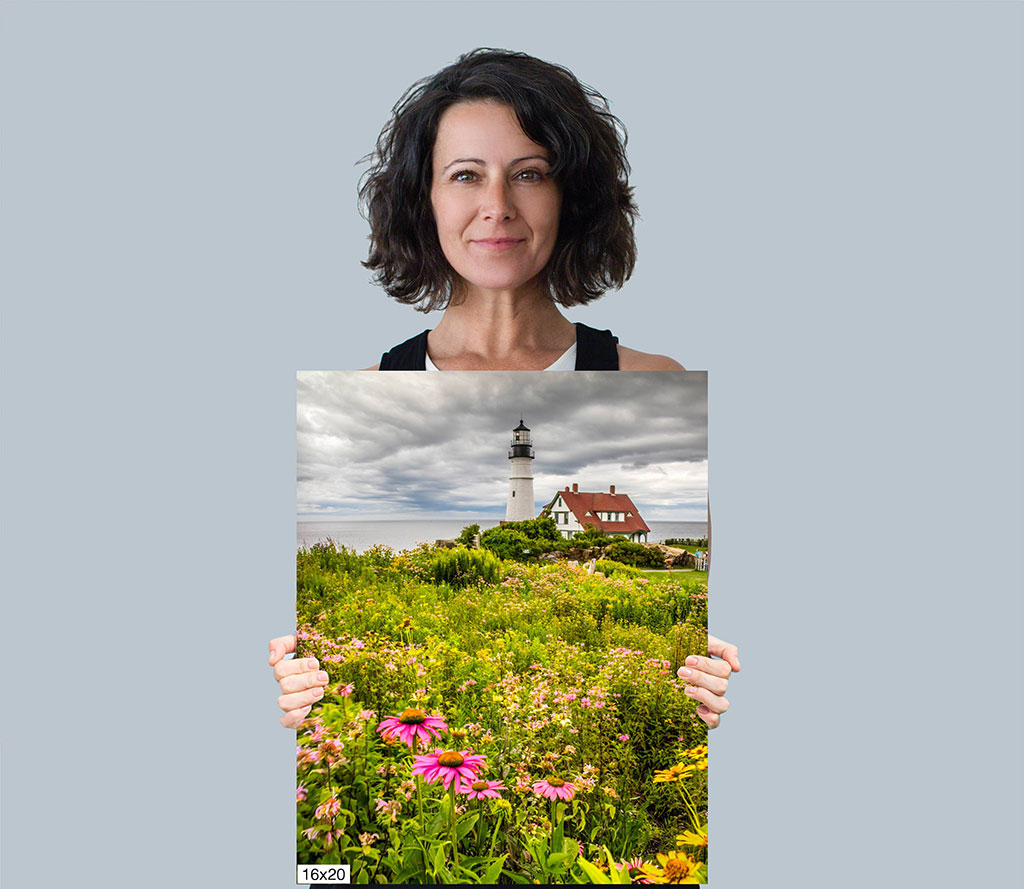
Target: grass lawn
676,574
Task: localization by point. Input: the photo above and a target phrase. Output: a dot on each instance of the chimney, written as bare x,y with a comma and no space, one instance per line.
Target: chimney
574,488
566,489
612,488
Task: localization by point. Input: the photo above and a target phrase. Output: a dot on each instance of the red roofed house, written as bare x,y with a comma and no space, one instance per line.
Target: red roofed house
609,512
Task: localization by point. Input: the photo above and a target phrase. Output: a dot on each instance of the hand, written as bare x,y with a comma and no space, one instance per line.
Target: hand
301,679
708,679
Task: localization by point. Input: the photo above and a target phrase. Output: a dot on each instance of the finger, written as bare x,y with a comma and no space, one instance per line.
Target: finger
294,718
696,677
279,647
708,665
715,703
303,681
711,718
300,699
726,651
295,665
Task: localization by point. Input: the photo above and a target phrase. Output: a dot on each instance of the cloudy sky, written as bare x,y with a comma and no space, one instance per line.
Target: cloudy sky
434,445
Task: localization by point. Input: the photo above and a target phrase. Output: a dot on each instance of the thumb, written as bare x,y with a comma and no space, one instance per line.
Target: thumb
279,647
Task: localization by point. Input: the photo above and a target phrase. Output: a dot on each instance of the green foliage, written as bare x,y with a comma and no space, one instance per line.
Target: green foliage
591,536
635,554
522,541
615,569
460,567
687,541
529,661
507,543
543,528
468,535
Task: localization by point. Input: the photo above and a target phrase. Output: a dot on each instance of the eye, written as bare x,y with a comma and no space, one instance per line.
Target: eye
530,175
463,176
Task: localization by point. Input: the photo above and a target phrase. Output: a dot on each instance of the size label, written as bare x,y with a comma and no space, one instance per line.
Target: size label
323,873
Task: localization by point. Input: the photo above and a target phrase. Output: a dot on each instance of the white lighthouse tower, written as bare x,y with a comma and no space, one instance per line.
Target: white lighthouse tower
520,479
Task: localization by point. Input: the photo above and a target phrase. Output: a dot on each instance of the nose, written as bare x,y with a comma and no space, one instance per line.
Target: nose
497,204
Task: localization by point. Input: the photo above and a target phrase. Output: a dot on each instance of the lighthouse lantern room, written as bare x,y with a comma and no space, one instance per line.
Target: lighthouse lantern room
520,480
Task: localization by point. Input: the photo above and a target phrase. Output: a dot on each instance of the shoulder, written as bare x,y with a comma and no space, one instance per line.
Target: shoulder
631,359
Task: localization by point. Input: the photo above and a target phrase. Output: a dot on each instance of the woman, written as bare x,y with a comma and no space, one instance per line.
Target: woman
498,191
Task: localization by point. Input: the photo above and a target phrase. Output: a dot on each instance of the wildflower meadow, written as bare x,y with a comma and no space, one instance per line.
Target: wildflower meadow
500,722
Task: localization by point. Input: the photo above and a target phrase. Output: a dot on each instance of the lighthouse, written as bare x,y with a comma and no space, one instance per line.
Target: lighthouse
520,478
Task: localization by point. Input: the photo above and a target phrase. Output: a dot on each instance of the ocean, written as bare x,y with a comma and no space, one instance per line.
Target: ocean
399,535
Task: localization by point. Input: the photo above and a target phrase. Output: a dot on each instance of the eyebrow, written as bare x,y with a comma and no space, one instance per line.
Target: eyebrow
477,160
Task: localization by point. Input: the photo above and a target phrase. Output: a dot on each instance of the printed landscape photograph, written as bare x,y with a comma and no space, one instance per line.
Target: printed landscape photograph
502,574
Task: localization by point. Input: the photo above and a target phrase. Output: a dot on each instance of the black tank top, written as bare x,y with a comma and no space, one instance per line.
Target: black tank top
595,350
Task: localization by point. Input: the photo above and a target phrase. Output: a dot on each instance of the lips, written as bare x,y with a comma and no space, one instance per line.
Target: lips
498,243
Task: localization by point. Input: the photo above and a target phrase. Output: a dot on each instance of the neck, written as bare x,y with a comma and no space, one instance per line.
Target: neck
500,330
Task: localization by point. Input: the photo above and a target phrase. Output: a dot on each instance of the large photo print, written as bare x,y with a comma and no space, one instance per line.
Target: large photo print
503,573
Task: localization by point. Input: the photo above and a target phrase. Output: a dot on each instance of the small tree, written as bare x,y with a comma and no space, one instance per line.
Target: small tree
591,536
508,543
468,535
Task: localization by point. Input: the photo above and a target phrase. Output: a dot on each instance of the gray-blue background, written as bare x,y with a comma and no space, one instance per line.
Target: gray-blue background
832,227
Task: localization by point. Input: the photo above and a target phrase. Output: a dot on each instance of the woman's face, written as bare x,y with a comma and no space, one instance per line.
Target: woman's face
495,203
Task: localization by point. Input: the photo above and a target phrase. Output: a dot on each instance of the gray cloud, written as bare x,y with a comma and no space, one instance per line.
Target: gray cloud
431,445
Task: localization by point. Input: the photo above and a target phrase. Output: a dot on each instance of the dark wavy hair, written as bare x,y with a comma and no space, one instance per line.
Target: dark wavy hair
595,250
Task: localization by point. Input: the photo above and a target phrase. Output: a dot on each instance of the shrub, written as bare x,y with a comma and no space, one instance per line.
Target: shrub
468,536
543,528
616,569
635,554
592,536
460,567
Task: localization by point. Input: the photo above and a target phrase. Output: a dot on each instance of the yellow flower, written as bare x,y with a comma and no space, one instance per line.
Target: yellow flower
673,774
676,867
697,752
698,837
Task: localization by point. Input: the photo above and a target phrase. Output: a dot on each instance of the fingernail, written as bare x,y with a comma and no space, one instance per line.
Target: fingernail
318,692
321,676
313,663
690,690
692,660
684,672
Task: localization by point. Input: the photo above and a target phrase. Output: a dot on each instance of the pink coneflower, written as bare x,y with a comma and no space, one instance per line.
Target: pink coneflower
623,738
367,714
345,690
357,643
411,724
459,766
554,788
300,794
482,789
633,863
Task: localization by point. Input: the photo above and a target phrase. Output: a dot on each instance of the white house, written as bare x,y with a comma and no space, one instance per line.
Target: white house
609,512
